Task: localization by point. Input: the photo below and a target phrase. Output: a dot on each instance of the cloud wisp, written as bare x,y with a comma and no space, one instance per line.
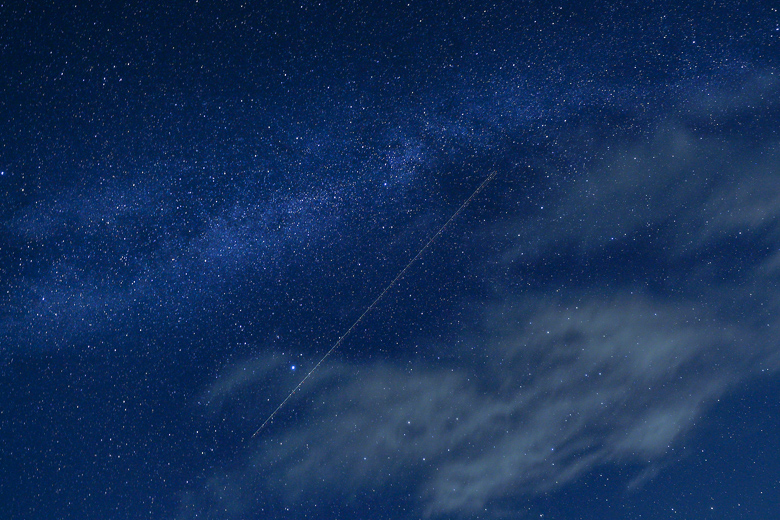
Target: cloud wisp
549,388
562,391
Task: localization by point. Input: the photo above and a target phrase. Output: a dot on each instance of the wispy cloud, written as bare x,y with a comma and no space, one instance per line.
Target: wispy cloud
562,391
545,388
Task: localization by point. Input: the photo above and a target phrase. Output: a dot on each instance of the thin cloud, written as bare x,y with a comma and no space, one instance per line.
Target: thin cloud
619,381
548,388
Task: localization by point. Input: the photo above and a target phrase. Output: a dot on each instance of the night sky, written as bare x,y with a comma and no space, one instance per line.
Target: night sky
198,198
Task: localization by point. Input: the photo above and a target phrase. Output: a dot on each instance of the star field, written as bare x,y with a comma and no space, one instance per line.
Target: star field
200,198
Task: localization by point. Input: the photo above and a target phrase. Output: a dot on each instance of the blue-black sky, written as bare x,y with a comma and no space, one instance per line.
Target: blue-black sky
198,198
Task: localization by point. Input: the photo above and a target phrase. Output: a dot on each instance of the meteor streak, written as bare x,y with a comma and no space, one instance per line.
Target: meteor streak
375,302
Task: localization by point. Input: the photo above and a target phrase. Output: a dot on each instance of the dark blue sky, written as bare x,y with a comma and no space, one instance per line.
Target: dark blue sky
199,198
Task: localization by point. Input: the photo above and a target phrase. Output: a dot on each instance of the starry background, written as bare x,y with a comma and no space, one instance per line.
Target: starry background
199,198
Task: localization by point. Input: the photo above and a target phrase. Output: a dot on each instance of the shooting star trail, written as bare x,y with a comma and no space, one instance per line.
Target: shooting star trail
375,302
